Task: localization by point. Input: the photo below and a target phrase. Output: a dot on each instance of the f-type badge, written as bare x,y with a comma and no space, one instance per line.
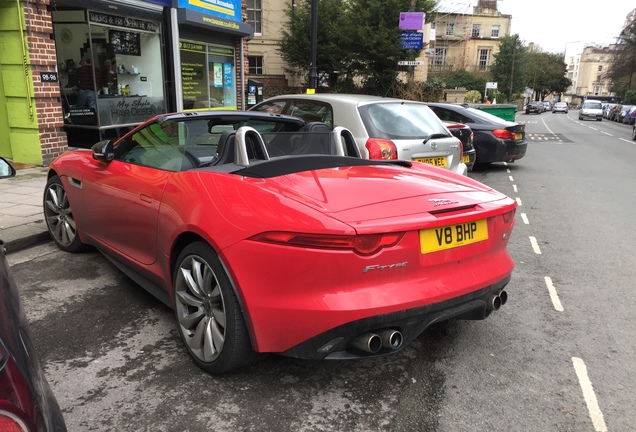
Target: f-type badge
441,202
384,267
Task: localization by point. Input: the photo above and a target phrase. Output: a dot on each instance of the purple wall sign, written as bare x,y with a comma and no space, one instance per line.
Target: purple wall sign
411,20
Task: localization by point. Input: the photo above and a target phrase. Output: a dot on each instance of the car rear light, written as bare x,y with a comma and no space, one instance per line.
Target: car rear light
503,134
461,149
381,149
366,244
11,423
15,397
509,216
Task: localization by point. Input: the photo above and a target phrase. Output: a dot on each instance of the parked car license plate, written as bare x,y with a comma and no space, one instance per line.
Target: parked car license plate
518,136
437,161
465,159
452,236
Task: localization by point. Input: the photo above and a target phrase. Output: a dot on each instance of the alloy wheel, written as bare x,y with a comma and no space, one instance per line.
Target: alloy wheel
200,309
59,215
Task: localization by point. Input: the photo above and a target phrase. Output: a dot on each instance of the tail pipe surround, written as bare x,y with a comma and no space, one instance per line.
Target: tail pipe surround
496,301
373,342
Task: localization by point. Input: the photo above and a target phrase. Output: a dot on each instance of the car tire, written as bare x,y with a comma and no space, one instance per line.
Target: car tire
634,133
209,317
58,215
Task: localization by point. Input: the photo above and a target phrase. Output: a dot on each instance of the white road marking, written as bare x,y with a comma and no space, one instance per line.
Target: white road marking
588,393
508,170
518,201
553,294
525,219
514,188
535,245
546,126
627,141
606,133
592,128
511,179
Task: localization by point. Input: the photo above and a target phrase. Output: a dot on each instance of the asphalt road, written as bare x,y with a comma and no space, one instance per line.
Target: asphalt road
559,356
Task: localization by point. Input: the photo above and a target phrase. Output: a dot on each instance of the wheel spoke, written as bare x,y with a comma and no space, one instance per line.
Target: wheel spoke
210,349
219,316
190,320
217,335
197,340
187,299
191,283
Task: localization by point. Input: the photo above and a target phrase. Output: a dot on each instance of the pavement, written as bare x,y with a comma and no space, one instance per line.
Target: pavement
21,218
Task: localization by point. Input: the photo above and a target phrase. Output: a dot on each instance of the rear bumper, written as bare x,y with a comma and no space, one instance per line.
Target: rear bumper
336,343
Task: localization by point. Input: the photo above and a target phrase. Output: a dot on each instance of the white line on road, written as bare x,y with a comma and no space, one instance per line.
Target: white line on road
553,294
518,201
606,133
514,188
627,141
592,128
546,126
525,219
508,170
511,179
588,393
535,245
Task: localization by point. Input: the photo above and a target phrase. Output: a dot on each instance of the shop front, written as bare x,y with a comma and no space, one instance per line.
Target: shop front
110,66
210,49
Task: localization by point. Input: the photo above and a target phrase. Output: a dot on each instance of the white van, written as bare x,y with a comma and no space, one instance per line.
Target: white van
592,109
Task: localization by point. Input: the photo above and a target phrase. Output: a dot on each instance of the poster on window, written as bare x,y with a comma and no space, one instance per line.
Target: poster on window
228,90
218,75
193,75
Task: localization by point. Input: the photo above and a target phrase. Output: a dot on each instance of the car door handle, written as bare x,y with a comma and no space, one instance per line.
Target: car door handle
145,198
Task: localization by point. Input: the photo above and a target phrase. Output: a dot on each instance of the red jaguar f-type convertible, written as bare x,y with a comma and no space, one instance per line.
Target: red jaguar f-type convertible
269,235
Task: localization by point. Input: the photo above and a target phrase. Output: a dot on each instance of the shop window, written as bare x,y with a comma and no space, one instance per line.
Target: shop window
208,76
110,69
255,15
255,65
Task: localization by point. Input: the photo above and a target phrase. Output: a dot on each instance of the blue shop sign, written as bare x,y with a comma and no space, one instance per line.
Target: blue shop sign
411,40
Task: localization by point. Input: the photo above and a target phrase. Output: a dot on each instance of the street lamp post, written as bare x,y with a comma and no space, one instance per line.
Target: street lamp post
313,74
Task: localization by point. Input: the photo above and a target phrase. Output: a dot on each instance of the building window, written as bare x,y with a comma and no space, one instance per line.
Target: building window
598,78
494,32
450,29
484,59
597,90
255,65
440,58
601,59
476,30
600,68
255,15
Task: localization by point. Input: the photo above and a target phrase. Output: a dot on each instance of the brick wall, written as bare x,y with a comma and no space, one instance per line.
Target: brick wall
47,94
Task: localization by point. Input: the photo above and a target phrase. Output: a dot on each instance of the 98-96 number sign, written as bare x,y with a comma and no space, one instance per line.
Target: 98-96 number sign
48,77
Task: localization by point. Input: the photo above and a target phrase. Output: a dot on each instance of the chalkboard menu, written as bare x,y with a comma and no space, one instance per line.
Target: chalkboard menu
124,42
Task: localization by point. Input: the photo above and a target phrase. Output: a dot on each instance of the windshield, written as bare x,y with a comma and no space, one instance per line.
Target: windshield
592,105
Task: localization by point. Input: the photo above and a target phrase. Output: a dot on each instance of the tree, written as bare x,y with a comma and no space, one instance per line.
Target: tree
462,78
358,38
509,66
332,58
546,74
622,69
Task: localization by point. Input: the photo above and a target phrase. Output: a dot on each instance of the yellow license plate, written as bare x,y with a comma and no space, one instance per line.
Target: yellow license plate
518,136
465,159
437,161
452,236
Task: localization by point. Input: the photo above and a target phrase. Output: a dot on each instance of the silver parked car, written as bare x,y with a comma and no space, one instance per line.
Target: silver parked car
560,107
384,128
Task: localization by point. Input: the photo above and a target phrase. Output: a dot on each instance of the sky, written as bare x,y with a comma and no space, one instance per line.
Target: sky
552,24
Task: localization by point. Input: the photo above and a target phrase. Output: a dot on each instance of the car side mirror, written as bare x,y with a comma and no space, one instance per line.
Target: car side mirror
104,151
6,170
